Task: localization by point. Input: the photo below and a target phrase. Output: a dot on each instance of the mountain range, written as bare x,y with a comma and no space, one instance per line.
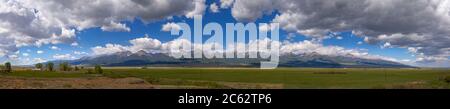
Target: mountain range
142,58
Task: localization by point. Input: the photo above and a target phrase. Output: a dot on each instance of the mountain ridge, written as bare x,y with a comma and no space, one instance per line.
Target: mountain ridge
316,60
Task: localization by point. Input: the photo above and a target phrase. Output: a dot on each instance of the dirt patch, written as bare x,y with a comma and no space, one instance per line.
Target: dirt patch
330,73
74,83
122,83
251,85
408,85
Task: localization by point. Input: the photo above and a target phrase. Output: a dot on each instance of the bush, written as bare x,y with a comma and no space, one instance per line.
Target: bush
8,67
65,66
50,66
89,71
2,69
447,79
145,67
98,69
76,68
39,66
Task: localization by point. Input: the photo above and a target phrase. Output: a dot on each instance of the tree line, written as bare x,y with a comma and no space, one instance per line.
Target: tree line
6,68
50,66
65,66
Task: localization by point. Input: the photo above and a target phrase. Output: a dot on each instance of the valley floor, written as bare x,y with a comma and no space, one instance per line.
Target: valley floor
230,78
74,83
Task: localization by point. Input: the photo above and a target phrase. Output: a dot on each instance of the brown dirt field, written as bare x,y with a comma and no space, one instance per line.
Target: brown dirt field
74,83
235,85
111,83
409,85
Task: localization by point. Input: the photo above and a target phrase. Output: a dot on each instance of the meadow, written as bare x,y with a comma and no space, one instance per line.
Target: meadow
285,78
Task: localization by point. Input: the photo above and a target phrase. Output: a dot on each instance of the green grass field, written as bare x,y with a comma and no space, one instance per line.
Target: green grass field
284,77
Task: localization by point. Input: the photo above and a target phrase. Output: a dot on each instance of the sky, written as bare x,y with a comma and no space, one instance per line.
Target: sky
411,32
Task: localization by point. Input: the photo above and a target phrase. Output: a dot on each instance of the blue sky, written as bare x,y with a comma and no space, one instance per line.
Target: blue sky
96,37
93,36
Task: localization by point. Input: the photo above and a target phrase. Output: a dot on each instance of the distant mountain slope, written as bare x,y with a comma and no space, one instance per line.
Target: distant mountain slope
142,58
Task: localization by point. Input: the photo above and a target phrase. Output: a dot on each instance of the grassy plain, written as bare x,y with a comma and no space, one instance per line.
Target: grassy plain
291,78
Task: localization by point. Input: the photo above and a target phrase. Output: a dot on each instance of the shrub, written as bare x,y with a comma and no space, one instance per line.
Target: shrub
89,71
39,66
2,69
50,66
98,69
76,68
64,66
447,79
8,68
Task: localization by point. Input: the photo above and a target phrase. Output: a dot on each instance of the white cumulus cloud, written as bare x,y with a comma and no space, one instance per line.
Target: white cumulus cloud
396,23
55,48
113,26
40,22
214,8
63,57
169,26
